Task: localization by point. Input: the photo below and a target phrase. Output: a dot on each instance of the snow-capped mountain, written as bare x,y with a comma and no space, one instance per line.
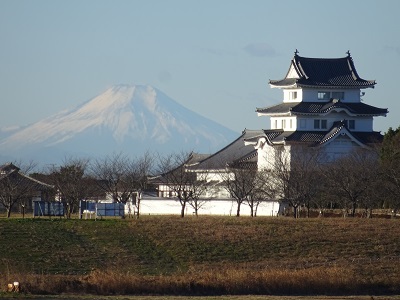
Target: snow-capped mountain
125,118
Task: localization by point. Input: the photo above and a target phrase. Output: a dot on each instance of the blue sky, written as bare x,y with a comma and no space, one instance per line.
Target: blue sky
215,57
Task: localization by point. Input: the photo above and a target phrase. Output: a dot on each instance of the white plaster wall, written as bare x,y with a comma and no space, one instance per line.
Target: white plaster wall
292,73
226,207
286,95
289,124
352,96
339,147
364,124
361,123
311,95
265,157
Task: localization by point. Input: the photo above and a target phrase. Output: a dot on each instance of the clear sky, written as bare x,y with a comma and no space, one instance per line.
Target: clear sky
215,57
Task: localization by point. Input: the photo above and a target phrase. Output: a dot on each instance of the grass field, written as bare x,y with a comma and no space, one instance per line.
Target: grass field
202,256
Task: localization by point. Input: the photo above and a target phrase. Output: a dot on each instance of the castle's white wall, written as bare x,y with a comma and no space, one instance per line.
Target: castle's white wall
266,157
289,96
306,123
285,123
311,95
292,72
339,147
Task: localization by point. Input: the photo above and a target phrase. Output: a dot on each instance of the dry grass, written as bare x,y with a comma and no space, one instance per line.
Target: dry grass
202,256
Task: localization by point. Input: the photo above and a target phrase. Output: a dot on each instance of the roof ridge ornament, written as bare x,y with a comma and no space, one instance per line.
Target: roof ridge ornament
296,52
348,53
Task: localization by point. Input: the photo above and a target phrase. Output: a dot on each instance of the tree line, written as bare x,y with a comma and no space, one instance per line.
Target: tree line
365,179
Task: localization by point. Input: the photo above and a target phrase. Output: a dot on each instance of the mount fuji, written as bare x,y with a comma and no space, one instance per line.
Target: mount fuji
125,118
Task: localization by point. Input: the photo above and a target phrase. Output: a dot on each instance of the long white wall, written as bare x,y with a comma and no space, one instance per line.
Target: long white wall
226,207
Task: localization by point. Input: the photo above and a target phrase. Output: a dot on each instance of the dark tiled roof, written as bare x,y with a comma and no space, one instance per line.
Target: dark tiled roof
314,138
324,72
235,151
16,177
269,134
313,108
305,136
195,158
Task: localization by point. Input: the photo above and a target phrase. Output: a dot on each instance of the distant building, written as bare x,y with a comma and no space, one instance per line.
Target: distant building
17,188
322,107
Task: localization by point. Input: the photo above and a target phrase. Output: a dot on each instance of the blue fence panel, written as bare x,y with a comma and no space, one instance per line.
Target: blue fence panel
110,209
44,208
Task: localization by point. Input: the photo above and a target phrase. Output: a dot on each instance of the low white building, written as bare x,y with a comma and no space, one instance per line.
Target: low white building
213,170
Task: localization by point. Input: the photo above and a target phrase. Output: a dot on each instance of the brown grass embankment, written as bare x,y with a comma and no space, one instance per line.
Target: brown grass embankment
202,256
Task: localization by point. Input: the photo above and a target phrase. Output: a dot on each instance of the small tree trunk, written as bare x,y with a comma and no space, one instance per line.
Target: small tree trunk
295,212
137,208
183,206
8,212
238,209
353,209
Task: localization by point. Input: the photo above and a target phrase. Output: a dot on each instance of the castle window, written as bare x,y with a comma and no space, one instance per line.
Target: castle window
351,124
320,124
324,95
292,95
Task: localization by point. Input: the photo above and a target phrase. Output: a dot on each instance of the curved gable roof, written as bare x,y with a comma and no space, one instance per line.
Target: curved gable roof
323,72
314,138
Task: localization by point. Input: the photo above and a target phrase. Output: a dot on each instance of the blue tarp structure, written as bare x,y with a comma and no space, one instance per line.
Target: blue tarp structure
45,208
102,209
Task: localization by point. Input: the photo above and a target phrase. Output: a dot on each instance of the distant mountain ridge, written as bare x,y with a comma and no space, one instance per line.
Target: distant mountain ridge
125,118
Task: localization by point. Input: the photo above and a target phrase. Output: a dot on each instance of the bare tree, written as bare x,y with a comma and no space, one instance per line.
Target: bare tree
199,188
144,166
241,183
350,178
265,189
296,175
187,186
72,183
117,176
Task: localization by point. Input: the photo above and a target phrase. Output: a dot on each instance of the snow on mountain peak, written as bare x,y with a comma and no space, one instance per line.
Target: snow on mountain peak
122,117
